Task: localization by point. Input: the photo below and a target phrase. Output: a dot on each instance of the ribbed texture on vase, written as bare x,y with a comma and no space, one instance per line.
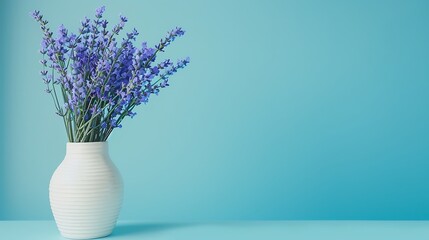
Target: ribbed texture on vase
85,192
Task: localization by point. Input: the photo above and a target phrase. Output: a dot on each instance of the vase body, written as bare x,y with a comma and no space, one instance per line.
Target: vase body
86,191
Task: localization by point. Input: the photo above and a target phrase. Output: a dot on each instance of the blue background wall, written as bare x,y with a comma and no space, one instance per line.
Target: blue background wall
288,110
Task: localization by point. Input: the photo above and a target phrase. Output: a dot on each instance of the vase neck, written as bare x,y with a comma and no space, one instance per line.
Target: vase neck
87,148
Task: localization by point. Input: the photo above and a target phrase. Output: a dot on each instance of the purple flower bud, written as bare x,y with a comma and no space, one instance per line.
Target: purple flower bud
104,23
35,14
123,18
99,11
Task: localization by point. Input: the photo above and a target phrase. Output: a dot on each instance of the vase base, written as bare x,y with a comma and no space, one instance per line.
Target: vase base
86,236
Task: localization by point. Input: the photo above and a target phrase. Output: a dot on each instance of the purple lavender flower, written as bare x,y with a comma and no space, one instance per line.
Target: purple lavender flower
99,12
124,19
101,80
171,36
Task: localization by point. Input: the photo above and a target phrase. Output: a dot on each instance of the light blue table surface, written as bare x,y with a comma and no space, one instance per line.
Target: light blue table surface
300,230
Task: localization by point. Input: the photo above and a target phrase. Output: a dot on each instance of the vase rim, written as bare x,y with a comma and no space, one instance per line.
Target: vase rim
86,143
86,147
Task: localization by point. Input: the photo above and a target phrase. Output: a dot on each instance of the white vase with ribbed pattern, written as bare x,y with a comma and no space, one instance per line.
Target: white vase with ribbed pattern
86,191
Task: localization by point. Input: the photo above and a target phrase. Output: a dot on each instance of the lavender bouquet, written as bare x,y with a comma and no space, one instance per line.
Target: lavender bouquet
96,81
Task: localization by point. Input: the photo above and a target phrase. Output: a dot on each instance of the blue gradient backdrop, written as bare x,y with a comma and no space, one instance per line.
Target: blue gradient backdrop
288,110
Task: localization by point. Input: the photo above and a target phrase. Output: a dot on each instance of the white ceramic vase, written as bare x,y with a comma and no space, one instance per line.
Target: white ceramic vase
86,191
